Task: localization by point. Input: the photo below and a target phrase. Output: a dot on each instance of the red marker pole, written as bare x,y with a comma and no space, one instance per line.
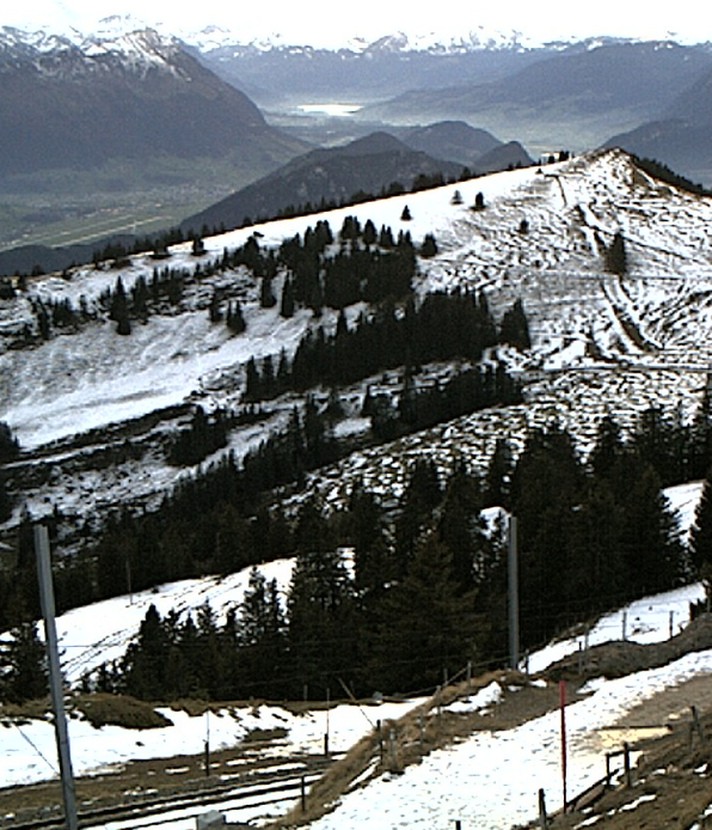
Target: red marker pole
562,707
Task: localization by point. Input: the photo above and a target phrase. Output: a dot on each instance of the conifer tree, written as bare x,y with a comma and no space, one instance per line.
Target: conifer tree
235,319
608,449
25,675
5,502
369,233
214,312
267,298
9,446
546,489
421,497
699,445
119,309
145,661
651,546
616,256
365,529
460,528
322,635
385,238
498,476
286,306
429,248
262,637
701,533
424,626
514,328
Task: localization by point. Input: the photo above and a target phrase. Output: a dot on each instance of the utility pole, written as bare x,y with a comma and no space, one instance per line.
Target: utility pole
513,580
44,575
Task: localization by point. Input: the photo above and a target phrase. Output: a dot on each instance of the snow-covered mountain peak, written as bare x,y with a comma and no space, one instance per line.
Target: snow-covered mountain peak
134,49
216,37
145,46
12,38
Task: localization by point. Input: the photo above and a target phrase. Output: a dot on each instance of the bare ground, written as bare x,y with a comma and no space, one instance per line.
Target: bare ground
671,785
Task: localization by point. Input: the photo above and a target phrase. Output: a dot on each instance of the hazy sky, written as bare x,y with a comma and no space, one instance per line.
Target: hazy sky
318,22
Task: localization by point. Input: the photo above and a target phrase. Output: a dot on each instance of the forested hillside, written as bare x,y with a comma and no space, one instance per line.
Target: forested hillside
371,392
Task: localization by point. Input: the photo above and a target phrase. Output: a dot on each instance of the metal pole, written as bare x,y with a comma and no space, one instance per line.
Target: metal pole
562,706
44,574
207,742
513,572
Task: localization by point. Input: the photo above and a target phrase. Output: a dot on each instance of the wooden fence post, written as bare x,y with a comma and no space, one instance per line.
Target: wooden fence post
698,725
543,821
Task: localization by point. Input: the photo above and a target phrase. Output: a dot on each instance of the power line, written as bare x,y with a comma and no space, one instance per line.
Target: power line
35,747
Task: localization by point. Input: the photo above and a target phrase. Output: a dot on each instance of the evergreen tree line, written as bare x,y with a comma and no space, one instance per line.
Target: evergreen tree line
352,624
139,552
368,266
443,327
661,171
203,436
306,444
423,588
468,390
165,288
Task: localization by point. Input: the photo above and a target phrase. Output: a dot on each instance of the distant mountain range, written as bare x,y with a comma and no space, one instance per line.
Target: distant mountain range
682,136
573,98
648,95
277,75
68,105
188,125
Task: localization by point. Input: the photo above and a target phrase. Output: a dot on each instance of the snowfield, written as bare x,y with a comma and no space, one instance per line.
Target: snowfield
601,343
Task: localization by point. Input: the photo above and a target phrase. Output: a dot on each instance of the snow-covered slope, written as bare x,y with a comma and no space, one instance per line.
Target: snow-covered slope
602,343
488,780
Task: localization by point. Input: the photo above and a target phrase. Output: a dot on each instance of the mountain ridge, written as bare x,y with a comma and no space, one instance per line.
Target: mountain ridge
510,258
368,165
140,94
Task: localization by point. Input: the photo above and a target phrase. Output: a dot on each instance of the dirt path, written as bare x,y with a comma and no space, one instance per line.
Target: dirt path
672,705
